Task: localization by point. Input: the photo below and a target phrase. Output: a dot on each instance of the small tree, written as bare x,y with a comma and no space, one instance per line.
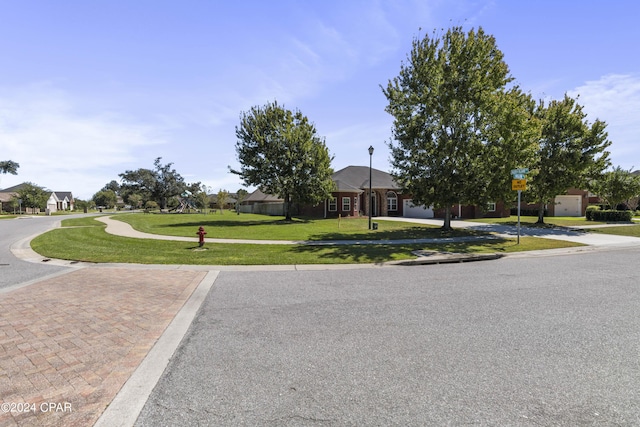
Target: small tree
202,197
241,194
83,204
223,196
617,187
151,205
135,200
280,152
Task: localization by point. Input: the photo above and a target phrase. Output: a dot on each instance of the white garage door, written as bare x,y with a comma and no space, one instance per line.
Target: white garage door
411,211
568,206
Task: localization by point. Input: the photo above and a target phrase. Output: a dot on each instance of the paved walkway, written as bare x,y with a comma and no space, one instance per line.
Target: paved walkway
70,343
496,230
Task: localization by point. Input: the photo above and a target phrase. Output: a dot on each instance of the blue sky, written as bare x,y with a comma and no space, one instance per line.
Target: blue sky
89,89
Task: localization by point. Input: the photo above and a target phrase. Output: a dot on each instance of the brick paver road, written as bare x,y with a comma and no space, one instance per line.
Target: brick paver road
69,343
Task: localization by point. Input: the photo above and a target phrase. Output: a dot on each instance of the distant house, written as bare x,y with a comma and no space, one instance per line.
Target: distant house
230,201
5,199
261,203
60,201
8,194
351,198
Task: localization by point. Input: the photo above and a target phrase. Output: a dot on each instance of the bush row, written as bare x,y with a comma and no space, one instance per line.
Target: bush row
608,215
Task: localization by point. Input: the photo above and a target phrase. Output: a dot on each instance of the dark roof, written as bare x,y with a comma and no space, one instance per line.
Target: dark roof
259,196
344,187
358,177
14,188
62,194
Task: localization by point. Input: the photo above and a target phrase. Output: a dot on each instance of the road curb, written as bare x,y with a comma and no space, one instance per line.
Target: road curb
447,259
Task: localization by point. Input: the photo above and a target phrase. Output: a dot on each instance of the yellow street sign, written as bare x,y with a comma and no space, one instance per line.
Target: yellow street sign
519,184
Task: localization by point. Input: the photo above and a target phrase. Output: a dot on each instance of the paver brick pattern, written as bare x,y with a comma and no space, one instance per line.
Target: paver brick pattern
74,340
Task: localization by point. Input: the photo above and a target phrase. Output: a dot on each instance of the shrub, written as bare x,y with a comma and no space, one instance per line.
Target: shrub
611,215
590,210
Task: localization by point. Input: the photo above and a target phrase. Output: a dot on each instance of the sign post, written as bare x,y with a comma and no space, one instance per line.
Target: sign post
519,183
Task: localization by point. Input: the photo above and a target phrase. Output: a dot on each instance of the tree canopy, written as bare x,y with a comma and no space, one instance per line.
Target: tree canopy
105,197
280,151
618,186
571,152
158,184
9,166
32,195
457,129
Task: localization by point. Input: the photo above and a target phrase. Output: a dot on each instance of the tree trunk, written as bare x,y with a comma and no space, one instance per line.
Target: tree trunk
287,207
540,213
447,218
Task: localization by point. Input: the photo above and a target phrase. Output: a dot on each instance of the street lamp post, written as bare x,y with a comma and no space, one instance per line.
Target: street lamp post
370,193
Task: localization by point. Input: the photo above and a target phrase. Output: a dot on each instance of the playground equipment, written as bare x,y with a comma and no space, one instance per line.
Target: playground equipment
186,203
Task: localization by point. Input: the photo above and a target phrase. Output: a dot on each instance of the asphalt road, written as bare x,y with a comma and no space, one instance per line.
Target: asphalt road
521,341
14,271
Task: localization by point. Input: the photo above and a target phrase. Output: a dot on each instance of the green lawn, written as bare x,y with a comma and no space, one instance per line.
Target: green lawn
530,221
84,239
623,230
262,227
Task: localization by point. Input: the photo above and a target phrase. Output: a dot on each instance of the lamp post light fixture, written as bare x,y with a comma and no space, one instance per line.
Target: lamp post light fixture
370,192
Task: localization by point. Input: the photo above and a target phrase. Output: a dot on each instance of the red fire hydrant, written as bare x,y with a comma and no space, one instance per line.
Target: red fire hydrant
201,234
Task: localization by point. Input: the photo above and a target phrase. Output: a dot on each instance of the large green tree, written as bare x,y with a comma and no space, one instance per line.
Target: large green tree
9,166
280,151
158,184
33,196
458,129
572,153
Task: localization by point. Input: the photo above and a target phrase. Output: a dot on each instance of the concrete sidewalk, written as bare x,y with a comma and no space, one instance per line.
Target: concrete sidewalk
570,234
120,228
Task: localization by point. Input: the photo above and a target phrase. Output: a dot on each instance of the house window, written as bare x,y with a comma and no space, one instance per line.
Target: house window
355,204
392,201
346,203
333,204
491,207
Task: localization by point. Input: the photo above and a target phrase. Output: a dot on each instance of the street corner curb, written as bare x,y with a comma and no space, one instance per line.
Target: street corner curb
427,258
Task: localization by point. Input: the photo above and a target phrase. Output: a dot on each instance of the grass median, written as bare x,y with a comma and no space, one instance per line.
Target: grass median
84,239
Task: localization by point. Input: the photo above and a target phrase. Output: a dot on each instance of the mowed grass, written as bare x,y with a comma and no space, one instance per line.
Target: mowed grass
623,230
530,221
85,240
262,227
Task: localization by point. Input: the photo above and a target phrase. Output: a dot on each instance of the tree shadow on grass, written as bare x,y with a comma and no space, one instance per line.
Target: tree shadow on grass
408,233
230,223
380,252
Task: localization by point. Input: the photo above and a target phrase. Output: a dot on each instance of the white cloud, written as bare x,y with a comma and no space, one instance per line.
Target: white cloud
62,148
615,99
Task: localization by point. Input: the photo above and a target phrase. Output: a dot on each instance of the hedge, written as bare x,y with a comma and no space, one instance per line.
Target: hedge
590,210
609,215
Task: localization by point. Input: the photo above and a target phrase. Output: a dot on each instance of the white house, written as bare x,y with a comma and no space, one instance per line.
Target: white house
60,201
